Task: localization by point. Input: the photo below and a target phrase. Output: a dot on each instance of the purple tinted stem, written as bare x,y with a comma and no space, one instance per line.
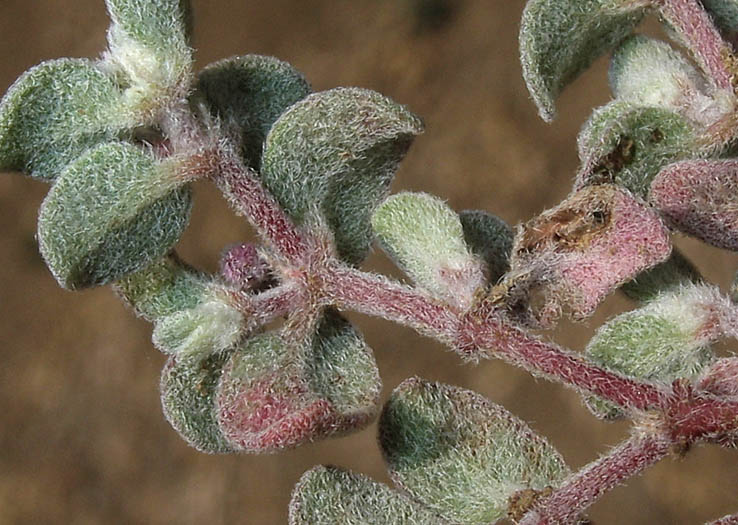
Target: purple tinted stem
582,489
481,334
247,195
694,25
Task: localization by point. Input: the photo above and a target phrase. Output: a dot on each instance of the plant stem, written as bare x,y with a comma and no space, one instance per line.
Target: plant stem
583,488
247,195
482,333
694,25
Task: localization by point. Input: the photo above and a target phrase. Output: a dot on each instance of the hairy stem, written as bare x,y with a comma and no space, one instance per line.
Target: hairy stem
583,488
247,195
482,333
726,520
694,25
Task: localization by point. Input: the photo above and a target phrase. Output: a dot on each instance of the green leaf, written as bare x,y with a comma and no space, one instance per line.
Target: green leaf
188,400
426,239
274,395
248,93
113,211
676,271
628,145
560,38
667,339
460,454
329,495
166,286
333,154
53,113
490,238
149,41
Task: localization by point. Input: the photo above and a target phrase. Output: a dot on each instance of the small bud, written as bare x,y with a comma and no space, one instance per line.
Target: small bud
248,93
699,197
559,39
166,286
460,454
583,249
667,339
329,495
333,154
187,398
490,238
674,272
110,213
628,145
53,113
274,396
425,237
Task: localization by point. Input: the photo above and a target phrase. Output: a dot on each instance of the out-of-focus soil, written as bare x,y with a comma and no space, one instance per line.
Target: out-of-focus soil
82,436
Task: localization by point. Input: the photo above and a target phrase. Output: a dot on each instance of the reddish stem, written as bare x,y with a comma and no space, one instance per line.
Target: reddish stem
695,26
247,195
583,488
481,333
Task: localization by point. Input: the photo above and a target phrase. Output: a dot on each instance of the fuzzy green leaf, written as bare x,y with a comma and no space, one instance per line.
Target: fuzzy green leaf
273,395
628,145
329,495
248,93
53,113
188,400
111,212
490,238
333,155
426,239
667,339
560,38
460,454
163,288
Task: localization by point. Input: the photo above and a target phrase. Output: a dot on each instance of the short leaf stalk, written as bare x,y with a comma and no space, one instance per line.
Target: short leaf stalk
260,358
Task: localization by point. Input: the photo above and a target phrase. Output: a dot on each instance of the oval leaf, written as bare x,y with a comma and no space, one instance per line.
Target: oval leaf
334,154
628,145
580,251
110,213
329,495
460,454
560,38
273,396
248,93
667,339
53,113
426,239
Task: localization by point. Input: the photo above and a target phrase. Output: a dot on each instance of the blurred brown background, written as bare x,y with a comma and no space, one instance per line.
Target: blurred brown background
82,437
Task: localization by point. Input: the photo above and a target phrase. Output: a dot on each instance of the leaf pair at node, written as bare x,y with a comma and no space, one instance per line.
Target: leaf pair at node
457,458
